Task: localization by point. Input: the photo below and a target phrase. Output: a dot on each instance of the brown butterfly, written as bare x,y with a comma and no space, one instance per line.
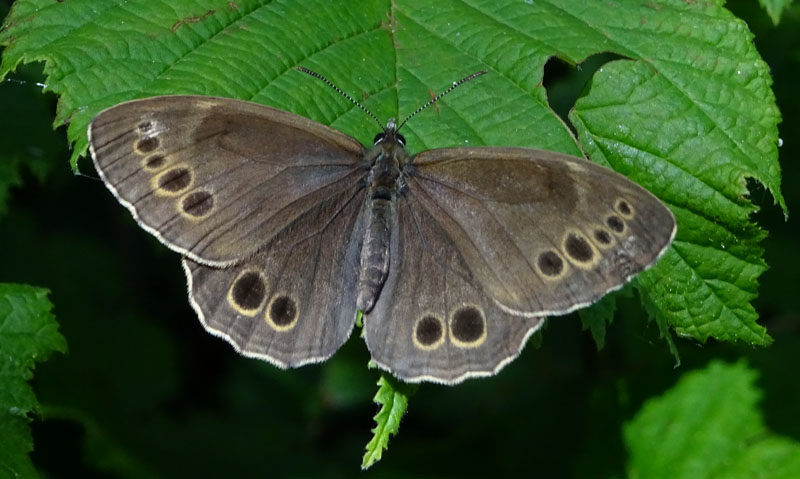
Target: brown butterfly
288,228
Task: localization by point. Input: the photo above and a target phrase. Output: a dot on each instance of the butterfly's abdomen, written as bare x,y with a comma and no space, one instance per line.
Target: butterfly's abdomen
375,253
380,209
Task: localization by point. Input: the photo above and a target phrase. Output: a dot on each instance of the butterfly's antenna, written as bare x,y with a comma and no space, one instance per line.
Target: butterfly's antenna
440,95
330,84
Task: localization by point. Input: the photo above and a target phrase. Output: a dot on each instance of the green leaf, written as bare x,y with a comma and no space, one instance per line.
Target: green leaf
708,426
596,318
691,116
775,8
28,333
392,396
691,120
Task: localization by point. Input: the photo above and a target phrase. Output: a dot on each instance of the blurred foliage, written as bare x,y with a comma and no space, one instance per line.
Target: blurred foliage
145,391
775,8
28,334
708,426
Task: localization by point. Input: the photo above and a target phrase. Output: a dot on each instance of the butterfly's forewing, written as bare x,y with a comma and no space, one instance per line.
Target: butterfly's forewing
264,204
216,178
432,321
542,233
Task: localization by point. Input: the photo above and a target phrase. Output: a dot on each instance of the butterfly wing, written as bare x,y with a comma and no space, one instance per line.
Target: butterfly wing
489,240
542,233
264,204
214,178
294,302
431,322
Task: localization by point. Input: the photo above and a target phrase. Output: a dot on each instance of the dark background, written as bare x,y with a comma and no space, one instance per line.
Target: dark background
145,391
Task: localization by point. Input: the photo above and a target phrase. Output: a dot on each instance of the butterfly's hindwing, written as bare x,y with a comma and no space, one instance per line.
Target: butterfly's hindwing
294,302
430,322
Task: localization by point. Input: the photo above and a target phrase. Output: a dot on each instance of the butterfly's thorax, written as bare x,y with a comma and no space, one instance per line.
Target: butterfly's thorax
386,157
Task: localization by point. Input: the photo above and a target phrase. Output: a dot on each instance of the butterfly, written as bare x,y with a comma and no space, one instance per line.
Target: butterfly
288,229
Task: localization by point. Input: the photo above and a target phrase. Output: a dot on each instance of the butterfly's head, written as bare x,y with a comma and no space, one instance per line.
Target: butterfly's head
390,134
